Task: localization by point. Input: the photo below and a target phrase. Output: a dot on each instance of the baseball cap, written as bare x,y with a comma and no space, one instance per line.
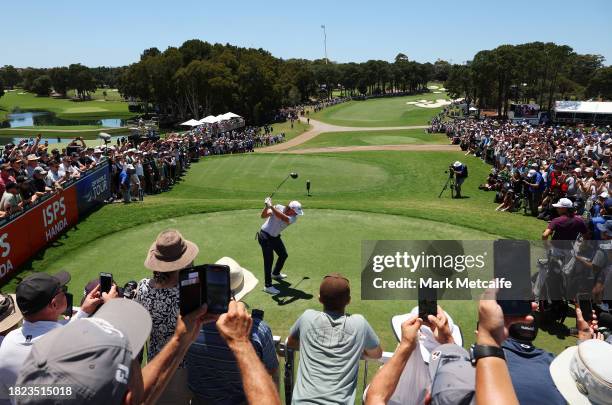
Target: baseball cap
36,291
564,203
297,207
40,170
453,376
582,373
604,195
10,315
531,173
94,355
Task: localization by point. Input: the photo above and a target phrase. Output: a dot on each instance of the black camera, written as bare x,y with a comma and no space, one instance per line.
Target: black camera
129,290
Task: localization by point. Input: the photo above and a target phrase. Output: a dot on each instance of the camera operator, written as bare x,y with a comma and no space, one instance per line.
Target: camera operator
460,172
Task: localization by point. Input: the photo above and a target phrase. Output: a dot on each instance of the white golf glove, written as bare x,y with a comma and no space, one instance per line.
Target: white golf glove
268,202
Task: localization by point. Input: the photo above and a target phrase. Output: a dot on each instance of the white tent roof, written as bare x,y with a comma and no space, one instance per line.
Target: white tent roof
588,107
191,123
230,115
221,117
211,119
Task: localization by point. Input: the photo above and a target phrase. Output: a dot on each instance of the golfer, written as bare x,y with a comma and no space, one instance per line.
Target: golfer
269,237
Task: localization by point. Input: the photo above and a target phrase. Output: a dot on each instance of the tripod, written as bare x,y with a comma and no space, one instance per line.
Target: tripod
450,181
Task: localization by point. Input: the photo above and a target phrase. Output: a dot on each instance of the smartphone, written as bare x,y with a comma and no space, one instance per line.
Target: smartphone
106,282
218,292
69,303
190,290
512,262
586,305
428,302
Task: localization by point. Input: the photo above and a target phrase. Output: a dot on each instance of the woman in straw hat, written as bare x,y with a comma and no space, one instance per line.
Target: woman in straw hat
160,296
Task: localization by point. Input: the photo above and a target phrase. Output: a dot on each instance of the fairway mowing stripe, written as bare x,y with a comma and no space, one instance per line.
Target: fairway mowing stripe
407,148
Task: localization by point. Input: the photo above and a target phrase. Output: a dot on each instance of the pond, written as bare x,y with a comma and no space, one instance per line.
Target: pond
47,118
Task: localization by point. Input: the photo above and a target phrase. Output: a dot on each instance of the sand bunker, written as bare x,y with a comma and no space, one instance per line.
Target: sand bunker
433,104
412,102
442,89
432,87
437,92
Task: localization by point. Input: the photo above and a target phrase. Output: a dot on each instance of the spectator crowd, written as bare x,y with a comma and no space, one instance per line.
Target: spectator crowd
95,353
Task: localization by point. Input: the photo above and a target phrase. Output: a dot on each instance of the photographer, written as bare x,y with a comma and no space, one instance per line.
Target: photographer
460,172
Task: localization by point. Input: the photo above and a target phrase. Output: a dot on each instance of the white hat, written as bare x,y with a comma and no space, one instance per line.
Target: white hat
457,164
531,173
564,203
578,170
582,373
242,281
297,207
604,194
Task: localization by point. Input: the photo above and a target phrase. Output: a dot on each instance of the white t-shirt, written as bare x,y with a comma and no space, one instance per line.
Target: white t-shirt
16,347
274,225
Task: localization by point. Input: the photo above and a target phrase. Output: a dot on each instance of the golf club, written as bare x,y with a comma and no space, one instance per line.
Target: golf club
292,175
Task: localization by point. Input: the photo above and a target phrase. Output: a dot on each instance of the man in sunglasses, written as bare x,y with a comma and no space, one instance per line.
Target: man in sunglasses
41,298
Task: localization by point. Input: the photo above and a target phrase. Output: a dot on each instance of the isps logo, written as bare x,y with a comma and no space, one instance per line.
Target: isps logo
54,218
5,249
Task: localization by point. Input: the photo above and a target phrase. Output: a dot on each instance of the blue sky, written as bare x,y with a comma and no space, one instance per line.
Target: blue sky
50,33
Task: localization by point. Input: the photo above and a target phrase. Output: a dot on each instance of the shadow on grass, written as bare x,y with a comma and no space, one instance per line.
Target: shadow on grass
287,294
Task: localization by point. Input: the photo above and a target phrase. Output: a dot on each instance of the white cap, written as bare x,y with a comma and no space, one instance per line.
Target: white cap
604,194
582,373
531,173
457,164
564,203
297,207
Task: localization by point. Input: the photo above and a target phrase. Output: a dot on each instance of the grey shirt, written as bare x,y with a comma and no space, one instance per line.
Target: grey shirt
331,346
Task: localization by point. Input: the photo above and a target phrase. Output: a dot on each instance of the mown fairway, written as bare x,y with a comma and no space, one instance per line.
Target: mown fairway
364,138
383,112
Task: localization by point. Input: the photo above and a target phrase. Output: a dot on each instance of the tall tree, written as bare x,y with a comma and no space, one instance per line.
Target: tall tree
42,85
601,84
10,76
60,79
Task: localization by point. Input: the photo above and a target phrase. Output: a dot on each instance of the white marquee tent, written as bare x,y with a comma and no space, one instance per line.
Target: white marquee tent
589,112
191,123
211,119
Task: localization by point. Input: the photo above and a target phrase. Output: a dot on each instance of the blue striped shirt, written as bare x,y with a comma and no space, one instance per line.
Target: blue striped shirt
212,369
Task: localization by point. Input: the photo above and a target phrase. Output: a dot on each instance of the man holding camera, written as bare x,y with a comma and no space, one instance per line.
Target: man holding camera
278,217
460,172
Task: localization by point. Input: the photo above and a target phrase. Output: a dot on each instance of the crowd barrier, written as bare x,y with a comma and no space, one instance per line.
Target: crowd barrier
23,235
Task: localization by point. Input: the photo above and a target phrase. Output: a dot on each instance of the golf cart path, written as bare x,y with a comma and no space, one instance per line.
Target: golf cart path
319,127
421,148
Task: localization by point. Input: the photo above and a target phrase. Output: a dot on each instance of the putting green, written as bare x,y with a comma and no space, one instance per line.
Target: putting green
322,241
84,110
330,174
363,138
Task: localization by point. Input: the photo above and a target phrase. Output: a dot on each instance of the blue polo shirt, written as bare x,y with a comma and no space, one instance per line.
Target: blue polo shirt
530,373
212,370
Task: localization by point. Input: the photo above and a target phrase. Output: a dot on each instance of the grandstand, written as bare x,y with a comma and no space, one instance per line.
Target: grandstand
583,112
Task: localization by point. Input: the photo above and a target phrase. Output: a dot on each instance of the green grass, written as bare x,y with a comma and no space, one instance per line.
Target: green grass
298,128
385,112
364,138
64,108
111,95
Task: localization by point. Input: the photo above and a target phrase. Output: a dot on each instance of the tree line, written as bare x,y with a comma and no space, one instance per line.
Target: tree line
534,72
82,79
198,78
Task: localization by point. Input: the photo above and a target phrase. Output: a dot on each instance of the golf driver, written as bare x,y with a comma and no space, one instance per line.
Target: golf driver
292,175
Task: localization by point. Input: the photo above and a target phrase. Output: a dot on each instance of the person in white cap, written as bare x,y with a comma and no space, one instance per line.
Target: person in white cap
278,217
461,173
566,227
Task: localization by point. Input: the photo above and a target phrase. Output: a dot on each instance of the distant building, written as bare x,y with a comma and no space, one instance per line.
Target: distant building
583,112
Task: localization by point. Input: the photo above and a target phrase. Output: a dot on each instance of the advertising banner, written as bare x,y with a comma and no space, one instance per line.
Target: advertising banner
30,232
